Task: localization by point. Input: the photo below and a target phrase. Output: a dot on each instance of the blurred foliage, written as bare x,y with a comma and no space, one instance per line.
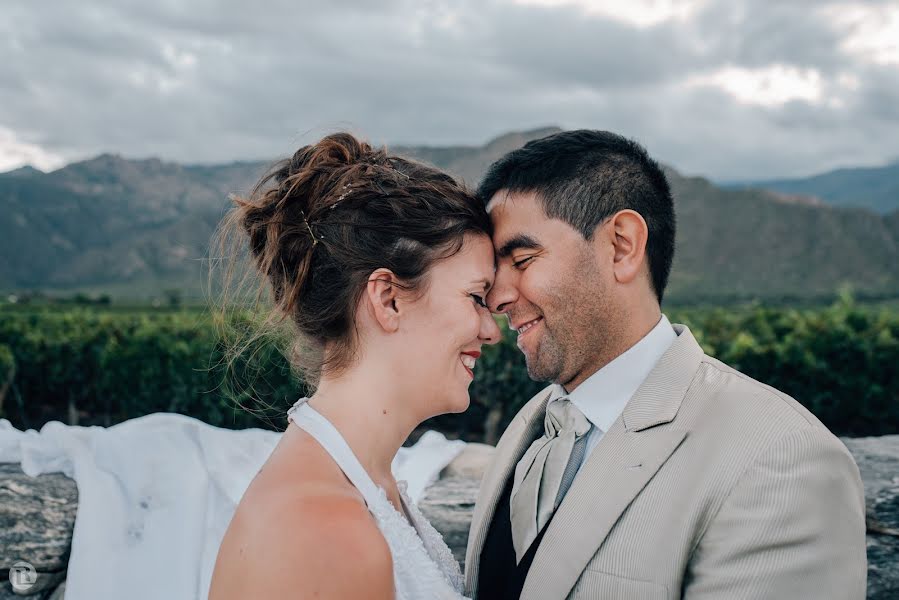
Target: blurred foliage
7,363
841,361
7,372
116,365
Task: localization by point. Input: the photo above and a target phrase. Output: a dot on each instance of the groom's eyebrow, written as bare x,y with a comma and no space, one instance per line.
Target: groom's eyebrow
518,242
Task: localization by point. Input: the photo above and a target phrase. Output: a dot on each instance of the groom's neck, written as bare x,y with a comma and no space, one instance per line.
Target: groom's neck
618,337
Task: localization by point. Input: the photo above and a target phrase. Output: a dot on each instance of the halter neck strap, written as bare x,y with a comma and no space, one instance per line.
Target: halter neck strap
315,424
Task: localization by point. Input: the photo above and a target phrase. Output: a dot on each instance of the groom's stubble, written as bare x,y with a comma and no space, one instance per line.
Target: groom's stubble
581,321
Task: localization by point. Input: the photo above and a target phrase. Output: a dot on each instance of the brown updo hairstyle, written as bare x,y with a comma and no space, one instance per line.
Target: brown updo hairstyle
319,223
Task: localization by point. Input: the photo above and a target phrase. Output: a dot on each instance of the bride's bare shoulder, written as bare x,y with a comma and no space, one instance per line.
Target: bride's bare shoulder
317,539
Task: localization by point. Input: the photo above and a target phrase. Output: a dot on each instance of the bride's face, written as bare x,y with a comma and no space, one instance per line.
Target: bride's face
449,324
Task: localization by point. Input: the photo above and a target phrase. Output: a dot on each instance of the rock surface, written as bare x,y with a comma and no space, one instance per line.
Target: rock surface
37,515
448,504
878,462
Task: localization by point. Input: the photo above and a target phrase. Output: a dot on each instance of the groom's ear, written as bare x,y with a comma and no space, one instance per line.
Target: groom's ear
629,234
381,293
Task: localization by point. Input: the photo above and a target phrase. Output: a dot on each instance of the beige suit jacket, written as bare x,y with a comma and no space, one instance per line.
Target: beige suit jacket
709,485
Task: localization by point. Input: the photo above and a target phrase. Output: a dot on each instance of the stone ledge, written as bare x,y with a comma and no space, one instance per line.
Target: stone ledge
37,515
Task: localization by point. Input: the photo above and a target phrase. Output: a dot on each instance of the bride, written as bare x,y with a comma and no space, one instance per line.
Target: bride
381,264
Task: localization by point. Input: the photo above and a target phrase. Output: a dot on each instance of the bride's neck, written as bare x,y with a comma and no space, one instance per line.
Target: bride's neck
372,411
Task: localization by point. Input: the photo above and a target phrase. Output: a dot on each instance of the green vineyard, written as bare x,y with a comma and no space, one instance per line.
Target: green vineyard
102,365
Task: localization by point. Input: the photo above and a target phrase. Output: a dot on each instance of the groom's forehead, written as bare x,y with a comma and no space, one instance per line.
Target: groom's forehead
515,214
514,207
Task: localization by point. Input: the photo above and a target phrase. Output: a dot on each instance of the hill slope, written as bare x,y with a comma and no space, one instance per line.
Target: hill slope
874,188
750,243
136,227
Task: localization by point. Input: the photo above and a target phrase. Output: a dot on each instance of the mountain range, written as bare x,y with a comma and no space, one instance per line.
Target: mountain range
874,188
133,228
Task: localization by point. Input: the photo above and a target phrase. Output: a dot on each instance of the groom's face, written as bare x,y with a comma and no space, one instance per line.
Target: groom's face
551,286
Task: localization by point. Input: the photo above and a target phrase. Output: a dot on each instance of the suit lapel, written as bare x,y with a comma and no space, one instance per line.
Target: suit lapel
619,467
514,442
624,461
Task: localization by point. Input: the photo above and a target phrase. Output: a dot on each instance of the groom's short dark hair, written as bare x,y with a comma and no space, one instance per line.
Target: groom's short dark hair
583,177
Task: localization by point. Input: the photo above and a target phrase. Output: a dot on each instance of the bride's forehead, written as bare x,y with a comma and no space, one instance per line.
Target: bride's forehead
469,267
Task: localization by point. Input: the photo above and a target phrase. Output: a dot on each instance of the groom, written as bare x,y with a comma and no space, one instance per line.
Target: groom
647,469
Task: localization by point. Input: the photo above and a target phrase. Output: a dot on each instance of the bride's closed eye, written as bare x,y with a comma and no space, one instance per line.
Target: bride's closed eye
479,300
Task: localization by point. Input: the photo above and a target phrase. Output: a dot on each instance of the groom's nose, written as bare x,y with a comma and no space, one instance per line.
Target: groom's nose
503,294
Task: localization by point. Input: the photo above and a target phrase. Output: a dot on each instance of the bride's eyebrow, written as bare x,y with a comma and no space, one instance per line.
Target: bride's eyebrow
518,242
483,282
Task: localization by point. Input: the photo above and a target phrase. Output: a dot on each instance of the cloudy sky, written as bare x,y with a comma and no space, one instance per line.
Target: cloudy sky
731,89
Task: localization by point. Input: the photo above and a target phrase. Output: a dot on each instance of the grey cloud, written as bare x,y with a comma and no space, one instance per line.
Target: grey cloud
756,34
566,46
878,97
101,76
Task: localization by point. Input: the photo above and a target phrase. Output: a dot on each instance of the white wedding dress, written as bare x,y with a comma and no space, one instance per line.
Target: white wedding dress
423,566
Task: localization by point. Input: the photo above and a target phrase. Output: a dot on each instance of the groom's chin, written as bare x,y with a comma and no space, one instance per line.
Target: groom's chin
535,372
539,371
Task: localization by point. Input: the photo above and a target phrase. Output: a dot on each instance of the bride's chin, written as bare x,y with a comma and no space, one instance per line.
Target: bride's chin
452,404
460,405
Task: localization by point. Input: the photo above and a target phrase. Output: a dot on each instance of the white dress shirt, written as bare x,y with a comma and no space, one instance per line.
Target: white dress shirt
603,395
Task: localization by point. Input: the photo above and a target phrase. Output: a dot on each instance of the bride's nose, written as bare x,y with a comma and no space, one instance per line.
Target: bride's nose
489,333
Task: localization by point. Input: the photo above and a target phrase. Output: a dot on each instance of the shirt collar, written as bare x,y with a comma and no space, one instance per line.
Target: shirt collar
603,395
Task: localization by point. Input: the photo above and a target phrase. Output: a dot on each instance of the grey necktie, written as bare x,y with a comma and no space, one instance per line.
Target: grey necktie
545,472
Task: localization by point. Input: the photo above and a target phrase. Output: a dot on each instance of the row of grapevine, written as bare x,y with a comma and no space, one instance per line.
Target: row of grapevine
93,366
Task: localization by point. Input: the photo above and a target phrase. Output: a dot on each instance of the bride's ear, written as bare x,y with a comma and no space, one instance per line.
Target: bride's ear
381,293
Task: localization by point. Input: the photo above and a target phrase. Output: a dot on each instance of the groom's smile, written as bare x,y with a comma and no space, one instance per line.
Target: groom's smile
524,329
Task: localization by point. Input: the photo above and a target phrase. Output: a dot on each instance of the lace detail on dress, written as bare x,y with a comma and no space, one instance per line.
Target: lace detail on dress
434,542
423,566
417,573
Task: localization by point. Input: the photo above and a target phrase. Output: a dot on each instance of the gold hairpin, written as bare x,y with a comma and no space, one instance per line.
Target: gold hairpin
309,227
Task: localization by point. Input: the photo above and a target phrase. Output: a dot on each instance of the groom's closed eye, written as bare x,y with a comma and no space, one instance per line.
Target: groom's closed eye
521,241
520,263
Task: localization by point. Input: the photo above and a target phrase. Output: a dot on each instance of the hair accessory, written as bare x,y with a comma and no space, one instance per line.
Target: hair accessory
393,165
311,234
343,195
